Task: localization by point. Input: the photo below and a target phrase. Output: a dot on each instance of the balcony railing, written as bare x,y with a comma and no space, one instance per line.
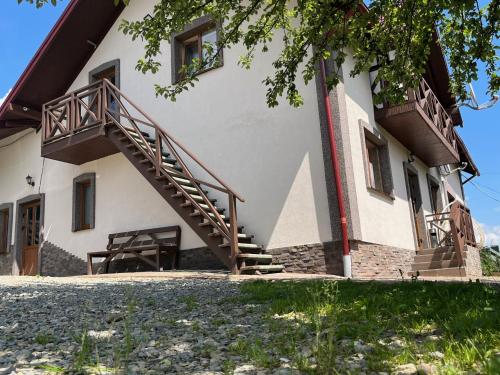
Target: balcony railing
422,124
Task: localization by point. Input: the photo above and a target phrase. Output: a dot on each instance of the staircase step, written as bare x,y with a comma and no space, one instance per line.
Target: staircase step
241,236
436,257
434,265
197,213
441,272
266,258
437,250
130,131
202,205
245,246
271,268
209,224
179,194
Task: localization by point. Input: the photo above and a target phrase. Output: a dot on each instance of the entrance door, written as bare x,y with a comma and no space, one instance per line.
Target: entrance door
416,207
110,75
30,238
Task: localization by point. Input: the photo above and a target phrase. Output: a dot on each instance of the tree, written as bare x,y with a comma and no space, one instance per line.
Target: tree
312,30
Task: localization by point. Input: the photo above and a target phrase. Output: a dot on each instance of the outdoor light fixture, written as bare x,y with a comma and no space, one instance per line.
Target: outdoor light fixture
30,181
411,158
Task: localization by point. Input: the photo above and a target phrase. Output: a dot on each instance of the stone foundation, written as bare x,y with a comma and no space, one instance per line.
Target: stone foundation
380,261
368,260
55,261
473,267
199,259
6,264
314,258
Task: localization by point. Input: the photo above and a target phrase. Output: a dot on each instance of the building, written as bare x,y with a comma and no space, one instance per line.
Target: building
79,160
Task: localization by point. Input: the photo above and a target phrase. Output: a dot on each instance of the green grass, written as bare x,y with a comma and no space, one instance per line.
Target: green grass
461,321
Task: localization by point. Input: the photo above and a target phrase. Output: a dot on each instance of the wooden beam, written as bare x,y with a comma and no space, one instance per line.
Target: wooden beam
24,112
15,124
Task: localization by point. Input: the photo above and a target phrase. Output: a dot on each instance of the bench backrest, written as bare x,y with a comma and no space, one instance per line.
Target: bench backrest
146,237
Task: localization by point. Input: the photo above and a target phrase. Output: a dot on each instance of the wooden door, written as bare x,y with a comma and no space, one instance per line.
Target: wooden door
416,207
31,217
110,75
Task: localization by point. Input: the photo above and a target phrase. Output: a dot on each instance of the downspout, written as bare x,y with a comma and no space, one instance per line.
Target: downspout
346,251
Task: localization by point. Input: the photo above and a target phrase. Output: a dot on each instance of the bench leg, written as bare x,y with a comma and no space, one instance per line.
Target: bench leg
157,260
174,261
89,265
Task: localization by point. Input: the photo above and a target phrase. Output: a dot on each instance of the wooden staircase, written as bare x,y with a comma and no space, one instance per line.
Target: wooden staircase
157,156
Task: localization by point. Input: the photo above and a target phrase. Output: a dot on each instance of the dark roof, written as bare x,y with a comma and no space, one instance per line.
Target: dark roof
465,157
57,62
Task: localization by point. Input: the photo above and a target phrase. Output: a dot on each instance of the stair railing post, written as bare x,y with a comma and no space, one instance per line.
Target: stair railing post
159,156
233,220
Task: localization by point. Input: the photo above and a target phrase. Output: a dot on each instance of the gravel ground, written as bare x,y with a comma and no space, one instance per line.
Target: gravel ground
140,327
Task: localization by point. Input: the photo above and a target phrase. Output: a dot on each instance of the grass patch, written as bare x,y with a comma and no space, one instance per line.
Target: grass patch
455,327
44,338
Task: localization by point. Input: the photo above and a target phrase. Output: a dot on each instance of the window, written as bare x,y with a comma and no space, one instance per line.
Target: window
84,202
194,51
377,161
374,166
434,194
5,220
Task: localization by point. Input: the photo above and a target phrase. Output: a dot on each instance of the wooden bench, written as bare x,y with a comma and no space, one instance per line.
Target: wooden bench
161,240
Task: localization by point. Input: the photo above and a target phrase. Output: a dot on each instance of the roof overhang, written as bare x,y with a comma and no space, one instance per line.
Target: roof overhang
60,58
465,157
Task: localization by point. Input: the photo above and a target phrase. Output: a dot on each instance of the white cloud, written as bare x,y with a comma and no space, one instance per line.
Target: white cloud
5,97
491,234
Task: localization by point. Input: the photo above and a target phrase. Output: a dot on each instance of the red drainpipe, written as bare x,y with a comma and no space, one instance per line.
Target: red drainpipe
346,251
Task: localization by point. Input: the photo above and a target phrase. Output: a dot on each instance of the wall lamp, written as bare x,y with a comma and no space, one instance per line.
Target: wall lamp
411,158
30,181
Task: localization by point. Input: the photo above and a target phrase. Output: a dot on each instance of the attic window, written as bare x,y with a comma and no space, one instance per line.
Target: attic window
195,49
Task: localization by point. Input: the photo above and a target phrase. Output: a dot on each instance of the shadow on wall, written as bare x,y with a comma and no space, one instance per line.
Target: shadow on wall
58,262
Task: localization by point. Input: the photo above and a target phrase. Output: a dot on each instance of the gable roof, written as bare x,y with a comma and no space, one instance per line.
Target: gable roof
62,55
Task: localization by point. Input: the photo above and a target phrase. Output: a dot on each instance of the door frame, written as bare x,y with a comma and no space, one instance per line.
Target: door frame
18,245
420,216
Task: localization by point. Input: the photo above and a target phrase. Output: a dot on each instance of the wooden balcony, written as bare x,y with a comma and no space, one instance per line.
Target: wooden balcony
422,125
73,126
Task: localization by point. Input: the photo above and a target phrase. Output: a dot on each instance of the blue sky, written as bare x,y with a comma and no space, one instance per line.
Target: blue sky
23,29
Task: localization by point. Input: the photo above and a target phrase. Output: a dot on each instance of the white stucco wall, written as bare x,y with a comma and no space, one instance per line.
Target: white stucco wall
272,157
124,199
383,220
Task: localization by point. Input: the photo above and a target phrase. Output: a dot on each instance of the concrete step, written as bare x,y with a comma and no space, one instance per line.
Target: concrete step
247,247
261,258
441,272
435,265
437,250
271,268
435,257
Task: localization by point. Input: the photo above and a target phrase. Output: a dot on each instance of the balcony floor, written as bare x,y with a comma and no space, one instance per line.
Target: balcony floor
409,124
83,147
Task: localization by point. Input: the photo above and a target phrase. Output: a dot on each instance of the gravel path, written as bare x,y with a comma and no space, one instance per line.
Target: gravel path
141,327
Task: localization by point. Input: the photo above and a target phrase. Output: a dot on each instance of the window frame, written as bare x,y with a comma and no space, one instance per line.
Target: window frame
80,184
371,135
433,182
9,208
195,30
